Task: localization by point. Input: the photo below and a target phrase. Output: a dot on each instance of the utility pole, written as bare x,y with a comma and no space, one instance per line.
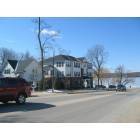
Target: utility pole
53,71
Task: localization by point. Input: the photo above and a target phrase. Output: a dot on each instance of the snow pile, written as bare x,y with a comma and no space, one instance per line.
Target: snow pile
55,91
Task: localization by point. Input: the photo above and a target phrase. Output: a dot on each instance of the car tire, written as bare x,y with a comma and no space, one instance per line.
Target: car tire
21,99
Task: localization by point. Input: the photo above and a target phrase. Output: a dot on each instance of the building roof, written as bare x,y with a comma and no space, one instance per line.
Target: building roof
47,67
82,59
62,57
13,63
23,64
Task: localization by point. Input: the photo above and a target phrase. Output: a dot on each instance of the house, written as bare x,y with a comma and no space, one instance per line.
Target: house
9,68
27,69
69,71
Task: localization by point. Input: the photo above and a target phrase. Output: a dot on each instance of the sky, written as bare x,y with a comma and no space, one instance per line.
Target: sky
119,36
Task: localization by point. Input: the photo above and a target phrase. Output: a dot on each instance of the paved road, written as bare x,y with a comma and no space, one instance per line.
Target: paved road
80,108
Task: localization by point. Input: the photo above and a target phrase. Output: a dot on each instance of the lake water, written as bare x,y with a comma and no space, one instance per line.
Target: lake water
136,83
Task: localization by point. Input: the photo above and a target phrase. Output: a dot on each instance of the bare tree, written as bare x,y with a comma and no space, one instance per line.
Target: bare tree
97,56
122,76
45,38
63,51
27,56
6,54
105,76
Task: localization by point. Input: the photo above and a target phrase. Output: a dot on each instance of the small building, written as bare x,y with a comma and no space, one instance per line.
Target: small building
27,69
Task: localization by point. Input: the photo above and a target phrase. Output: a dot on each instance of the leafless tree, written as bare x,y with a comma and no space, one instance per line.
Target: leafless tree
45,38
6,54
27,56
122,76
97,56
63,51
104,76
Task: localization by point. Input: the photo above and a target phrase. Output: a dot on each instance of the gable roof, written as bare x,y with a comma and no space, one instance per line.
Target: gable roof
23,64
62,57
13,63
83,59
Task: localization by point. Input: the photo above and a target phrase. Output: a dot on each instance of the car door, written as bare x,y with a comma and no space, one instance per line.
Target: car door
11,88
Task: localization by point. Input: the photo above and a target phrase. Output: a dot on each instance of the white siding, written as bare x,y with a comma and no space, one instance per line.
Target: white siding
70,71
32,72
12,74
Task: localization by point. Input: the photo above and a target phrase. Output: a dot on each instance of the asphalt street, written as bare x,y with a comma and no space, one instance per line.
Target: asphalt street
94,107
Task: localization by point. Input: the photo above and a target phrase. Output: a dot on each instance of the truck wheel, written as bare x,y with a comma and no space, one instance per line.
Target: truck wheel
21,99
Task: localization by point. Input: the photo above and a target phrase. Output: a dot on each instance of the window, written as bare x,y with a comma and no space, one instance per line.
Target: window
7,71
46,72
51,72
89,74
68,64
56,64
76,64
60,64
77,74
85,65
60,73
68,74
89,66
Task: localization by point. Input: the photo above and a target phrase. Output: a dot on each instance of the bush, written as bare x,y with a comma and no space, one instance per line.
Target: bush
59,84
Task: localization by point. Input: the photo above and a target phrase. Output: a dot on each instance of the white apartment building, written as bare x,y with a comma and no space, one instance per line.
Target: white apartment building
68,67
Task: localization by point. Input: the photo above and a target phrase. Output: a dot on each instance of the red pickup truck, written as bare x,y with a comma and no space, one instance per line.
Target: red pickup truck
14,89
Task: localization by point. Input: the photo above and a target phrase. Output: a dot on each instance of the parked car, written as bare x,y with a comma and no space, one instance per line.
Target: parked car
14,89
121,88
111,87
100,87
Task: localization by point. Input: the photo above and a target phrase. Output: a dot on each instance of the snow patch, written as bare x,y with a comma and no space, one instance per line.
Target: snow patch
55,91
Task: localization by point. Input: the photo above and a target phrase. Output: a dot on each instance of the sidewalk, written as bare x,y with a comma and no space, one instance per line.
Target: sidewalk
46,93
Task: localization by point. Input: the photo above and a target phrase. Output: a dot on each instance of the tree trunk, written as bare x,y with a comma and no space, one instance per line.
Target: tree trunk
42,56
98,80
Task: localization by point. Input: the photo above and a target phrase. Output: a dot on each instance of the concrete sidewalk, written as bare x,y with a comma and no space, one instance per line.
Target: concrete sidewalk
45,93
84,91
